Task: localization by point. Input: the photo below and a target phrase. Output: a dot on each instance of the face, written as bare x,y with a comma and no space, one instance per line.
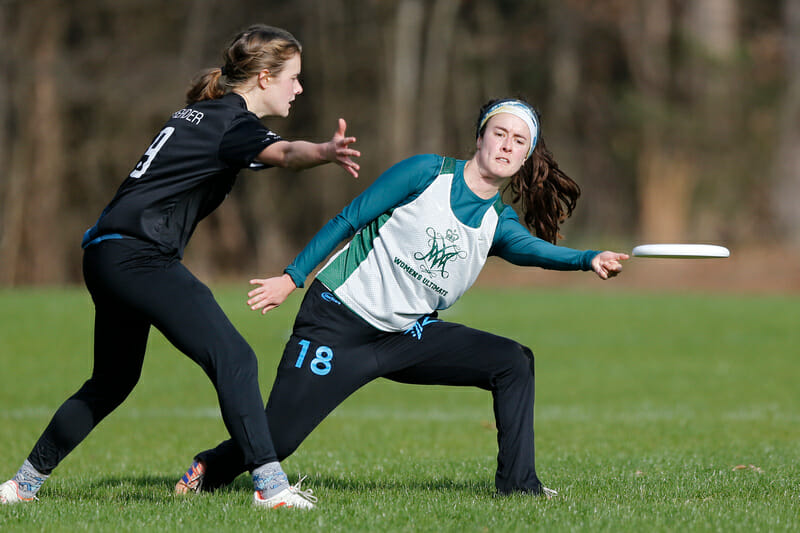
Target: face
503,146
282,89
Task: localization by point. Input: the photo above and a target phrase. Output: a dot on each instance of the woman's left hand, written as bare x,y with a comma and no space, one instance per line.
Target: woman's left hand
339,150
608,264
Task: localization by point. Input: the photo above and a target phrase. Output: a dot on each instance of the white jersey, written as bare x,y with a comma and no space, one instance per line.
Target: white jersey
412,260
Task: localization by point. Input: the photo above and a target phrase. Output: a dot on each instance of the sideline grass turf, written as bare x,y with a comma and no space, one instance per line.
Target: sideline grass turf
657,412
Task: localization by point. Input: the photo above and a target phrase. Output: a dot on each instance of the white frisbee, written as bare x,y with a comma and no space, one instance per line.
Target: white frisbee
684,251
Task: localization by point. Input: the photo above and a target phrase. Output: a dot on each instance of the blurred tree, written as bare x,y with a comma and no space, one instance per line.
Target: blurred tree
664,170
786,191
31,247
665,111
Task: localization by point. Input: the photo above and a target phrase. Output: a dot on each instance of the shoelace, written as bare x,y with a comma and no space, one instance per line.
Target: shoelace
307,494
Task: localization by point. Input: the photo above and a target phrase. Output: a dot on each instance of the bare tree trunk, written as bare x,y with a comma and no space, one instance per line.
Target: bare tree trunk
407,48
436,73
565,66
786,191
710,30
664,192
333,51
664,176
33,248
6,183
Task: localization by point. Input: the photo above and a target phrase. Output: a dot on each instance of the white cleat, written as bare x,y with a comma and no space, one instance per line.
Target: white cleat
9,493
549,493
291,497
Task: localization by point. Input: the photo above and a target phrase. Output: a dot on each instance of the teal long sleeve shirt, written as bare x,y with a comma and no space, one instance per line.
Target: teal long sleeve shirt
406,180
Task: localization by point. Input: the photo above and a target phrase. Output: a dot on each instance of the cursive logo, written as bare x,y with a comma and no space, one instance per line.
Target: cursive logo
440,253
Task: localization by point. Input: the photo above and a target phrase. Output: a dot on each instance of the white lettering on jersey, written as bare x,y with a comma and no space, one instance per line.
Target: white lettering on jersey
189,115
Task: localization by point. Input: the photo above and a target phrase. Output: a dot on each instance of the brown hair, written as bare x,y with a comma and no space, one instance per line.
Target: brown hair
257,48
546,195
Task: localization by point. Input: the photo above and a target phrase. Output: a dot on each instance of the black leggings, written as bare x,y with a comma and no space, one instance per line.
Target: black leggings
134,286
332,353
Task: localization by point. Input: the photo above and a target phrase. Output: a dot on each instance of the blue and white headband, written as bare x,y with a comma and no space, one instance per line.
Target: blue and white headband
518,109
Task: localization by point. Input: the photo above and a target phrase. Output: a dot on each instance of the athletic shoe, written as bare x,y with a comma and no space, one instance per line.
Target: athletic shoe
549,493
192,480
540,490
9,493
291,497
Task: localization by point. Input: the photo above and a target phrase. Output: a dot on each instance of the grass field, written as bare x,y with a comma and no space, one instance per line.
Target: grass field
655,412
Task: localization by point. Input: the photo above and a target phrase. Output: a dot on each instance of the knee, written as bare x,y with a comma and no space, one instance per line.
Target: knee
518,361
105,394
239,364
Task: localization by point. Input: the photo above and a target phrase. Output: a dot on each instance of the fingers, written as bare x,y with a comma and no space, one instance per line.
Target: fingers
348,164
353,171
608,264
260,298
259,289
342,141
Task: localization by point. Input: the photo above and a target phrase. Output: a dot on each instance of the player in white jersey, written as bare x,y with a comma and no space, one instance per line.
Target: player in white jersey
423,232
132,259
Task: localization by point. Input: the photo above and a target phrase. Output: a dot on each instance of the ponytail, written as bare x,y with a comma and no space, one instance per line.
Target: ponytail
547,196
207,85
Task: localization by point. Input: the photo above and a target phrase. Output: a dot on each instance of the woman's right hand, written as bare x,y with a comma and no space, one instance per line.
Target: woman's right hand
339,150
270,293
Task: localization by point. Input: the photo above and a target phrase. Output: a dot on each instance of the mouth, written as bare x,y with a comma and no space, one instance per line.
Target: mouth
503,160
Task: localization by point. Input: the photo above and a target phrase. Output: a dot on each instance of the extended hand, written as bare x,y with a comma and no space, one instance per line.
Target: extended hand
340,151
608,264
271,293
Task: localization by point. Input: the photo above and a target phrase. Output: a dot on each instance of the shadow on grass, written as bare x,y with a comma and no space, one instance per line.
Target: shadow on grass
154,489
359,485
140,488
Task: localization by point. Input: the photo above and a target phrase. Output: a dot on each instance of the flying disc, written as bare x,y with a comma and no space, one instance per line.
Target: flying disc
685,251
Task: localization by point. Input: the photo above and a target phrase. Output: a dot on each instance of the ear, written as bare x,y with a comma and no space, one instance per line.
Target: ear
479,142
263,78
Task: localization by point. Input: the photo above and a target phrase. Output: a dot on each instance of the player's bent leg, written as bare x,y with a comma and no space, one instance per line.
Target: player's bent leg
120,339
327,358
451,354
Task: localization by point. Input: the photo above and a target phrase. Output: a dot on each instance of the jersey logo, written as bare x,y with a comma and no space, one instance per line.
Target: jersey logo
442,251
327,296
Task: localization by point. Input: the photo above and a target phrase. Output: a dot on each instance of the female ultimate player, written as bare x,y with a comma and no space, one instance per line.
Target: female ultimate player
423,232
132,258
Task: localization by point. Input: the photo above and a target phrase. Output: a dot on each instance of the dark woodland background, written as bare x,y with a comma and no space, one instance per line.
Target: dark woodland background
680,119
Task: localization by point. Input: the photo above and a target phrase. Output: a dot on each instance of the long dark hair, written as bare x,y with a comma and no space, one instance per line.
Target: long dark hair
257,48
545,194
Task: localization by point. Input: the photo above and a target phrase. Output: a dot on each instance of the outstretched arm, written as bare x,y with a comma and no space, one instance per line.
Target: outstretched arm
299,155
514,243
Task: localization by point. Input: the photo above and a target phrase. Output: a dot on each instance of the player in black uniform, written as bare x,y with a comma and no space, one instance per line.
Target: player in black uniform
132,258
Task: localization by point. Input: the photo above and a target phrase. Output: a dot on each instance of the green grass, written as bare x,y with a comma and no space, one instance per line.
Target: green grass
646,404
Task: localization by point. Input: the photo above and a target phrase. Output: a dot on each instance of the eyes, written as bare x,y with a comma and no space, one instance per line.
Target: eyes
519,140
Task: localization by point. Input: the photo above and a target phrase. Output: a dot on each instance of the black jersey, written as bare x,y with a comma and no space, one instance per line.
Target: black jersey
185,174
